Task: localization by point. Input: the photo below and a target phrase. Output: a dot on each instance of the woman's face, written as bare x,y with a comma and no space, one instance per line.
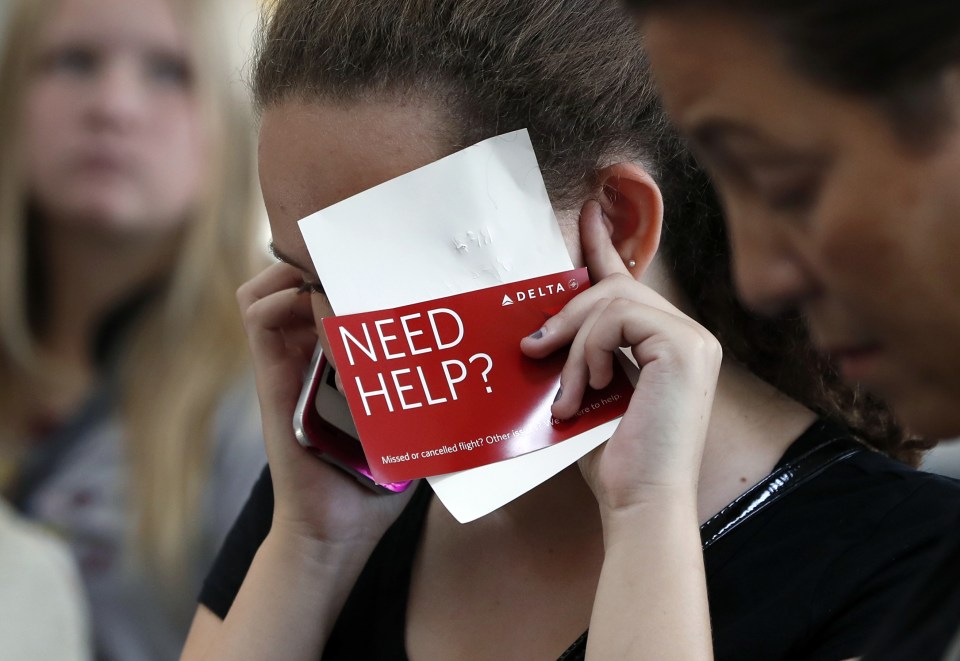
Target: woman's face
313,155
113,137
829,211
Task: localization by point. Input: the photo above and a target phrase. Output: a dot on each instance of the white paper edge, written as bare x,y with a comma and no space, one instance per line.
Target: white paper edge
467,496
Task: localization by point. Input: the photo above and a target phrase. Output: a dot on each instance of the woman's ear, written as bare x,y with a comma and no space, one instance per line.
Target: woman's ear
633,213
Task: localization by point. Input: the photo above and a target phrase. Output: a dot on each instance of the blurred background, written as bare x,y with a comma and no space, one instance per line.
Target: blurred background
134,438
129,215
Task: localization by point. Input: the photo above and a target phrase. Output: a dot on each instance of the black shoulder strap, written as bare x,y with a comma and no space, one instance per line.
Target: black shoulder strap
776,485
769,490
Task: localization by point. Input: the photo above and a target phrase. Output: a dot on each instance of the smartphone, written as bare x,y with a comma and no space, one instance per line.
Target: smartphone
323,424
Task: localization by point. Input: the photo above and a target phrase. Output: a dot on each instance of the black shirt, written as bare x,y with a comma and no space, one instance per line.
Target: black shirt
809,577
926,624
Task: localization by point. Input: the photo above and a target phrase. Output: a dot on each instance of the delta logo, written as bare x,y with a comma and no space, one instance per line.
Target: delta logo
539,292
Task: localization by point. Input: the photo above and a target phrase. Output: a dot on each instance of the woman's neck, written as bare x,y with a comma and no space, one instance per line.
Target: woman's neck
86,276
751,426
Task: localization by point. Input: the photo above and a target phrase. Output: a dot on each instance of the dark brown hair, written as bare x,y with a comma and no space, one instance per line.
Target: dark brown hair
572,73
893,52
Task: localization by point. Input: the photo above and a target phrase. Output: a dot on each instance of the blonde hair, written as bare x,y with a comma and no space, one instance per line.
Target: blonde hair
187,347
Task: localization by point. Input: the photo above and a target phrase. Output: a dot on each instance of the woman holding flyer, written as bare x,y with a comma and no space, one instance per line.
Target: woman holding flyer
647,543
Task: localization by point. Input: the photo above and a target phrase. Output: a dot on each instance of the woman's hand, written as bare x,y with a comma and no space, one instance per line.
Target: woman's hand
313,501
645,477
658,445
324,526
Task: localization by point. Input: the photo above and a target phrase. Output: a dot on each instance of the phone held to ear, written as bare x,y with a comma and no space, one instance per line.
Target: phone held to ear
322,423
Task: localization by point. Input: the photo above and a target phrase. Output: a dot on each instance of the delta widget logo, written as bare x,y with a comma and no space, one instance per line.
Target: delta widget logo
539,292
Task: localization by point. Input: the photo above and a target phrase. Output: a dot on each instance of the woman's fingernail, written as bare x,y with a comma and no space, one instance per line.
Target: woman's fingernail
559,395
536,335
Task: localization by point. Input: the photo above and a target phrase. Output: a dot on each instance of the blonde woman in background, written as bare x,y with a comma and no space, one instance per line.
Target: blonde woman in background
127,221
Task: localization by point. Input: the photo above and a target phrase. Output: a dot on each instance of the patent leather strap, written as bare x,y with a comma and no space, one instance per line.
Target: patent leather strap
777,485
760,496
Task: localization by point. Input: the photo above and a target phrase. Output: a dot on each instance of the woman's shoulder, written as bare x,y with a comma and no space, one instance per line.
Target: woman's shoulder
834,554
862,506
883,490
883,525
868,484
863,516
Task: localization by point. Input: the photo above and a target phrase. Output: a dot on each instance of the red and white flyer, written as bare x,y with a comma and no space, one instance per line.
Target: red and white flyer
449,235
441,386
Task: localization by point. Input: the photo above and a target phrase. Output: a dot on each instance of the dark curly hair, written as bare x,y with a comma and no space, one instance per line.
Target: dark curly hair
573,74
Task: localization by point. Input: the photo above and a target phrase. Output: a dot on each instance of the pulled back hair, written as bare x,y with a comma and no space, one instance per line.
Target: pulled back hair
571,73
893,52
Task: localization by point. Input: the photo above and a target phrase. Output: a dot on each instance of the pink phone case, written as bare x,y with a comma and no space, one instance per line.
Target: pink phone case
327,441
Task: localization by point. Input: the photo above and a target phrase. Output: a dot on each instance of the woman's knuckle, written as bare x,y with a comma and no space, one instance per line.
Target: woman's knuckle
243,293
253,314
621,280
620,305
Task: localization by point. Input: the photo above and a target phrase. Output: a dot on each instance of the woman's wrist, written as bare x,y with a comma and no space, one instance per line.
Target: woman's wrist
314,554
290,598
653,564
646,506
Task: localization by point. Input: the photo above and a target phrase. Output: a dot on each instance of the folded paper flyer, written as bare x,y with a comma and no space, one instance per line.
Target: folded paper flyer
435,277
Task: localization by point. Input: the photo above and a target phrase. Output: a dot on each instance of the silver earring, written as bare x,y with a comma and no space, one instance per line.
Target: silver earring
631,264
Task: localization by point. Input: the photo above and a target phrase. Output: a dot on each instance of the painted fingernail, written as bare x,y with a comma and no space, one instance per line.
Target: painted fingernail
536,335
559,395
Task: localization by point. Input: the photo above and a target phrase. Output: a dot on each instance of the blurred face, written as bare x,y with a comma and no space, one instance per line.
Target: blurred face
314,155
829,210
113,136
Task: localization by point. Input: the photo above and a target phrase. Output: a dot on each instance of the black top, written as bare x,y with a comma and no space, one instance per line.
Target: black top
808,577
927,624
